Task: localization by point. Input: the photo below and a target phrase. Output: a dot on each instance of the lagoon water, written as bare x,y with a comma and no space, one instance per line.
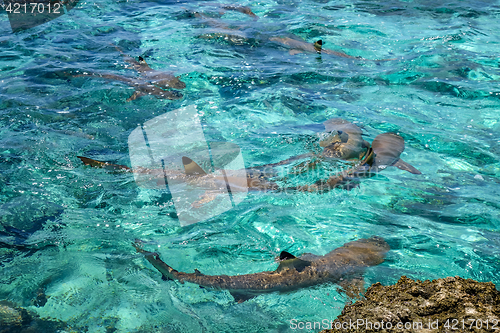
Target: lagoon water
66,229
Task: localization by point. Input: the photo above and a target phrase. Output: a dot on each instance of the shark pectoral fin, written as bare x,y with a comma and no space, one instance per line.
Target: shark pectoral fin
191,168
241,297
352,287
294,51
135,95
407,167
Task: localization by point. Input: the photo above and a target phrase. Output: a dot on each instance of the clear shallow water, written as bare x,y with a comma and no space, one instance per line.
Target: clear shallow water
441,95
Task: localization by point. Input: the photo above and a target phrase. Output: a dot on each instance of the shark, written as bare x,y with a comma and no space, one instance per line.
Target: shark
150,81
142,88
344,263
344,140
385,151
242,9
220,31
194,174
298,45
237,8
341,140
295,44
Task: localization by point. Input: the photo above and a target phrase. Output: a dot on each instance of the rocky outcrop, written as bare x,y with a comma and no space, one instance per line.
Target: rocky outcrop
451,304
14,319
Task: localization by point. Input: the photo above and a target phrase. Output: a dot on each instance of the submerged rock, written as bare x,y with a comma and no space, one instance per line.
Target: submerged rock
451,304
15,319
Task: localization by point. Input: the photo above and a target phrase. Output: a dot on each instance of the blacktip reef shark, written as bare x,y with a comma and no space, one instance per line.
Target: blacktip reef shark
237,8
297,46
223,31
341,140
213,184
150,82
385,151
344,263
193,173
344,140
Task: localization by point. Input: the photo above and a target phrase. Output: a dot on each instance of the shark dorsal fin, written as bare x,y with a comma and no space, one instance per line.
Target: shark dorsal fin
143,65
192,168
289,261
197,272
318,45
286,255
298,264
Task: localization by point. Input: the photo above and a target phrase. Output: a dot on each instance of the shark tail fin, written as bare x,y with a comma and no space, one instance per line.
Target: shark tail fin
192,168
407,167
101,164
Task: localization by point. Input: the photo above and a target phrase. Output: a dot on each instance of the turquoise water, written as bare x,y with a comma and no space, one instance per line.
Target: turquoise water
67,229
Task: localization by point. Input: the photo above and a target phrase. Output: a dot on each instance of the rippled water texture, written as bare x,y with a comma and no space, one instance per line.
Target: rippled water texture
66,229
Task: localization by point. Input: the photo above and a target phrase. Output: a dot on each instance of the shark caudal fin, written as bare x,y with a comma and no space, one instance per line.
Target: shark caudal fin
104,165
191,168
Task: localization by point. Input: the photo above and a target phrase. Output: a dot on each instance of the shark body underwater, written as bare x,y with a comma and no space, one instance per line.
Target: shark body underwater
344,263
149,82
344,141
